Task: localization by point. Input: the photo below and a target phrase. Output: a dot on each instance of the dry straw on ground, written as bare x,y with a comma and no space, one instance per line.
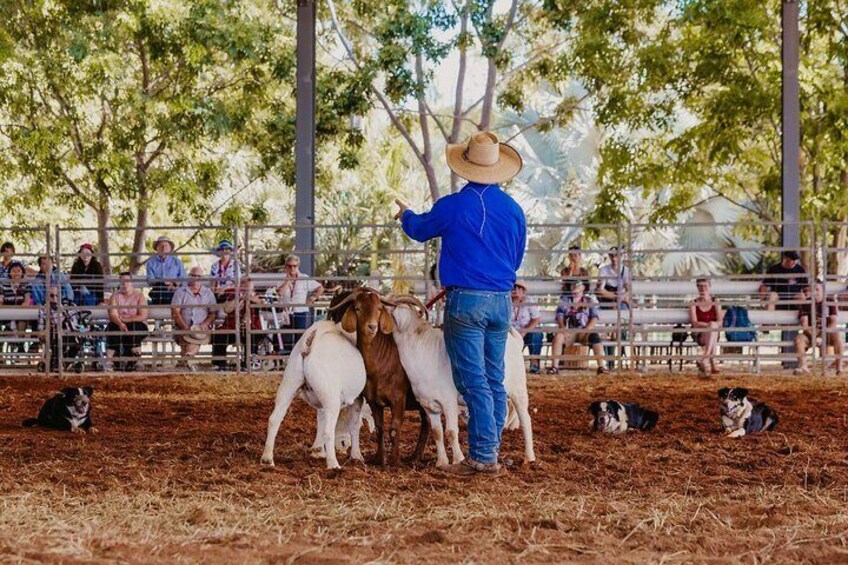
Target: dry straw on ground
173,477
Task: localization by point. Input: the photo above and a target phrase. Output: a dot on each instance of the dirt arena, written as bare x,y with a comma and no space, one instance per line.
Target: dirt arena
174,477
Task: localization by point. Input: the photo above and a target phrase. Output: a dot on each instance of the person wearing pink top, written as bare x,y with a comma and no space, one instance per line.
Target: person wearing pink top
128,321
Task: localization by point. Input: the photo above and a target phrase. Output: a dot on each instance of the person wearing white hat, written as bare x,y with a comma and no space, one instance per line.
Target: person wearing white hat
525,317
193,311
165,273
483,233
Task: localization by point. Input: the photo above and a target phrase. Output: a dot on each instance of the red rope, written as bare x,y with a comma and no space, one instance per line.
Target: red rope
435,299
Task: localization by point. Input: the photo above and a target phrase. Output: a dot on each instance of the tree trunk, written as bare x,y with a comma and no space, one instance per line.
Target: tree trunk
427,153
489,97
103,246
456,128
140,229
839,266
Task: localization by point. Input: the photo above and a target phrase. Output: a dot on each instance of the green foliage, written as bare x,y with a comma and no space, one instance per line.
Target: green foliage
689,96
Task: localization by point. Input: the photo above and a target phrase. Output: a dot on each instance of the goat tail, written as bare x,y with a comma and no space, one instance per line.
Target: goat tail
30,422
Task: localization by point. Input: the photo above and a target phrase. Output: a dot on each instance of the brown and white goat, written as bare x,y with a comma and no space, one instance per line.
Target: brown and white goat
364,311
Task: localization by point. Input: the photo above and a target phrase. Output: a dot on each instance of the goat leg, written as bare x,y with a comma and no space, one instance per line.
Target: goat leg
377,413
398,412
423,436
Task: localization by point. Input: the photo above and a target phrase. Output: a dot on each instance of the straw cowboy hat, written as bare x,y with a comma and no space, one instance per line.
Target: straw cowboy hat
483,159
161,240
197,336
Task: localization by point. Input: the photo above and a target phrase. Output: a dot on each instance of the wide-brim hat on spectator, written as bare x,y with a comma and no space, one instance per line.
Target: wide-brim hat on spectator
521,283
163,239
222,245
483,159
197,336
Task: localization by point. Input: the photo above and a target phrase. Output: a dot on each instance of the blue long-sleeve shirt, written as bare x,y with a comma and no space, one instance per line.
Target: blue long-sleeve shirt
483,233
169,269
38,288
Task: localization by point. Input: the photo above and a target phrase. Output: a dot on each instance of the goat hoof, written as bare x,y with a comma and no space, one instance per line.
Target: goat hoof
267,462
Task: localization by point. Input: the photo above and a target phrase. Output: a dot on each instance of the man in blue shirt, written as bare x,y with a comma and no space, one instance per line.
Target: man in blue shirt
483,235
165,273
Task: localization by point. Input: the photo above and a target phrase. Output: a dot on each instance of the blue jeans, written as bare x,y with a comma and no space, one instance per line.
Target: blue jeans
297,321
533,342
476,327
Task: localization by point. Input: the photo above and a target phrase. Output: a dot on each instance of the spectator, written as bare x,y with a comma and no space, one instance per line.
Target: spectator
193,312
784,282
577,311
38,289
225,270
248,320
128,322
297,293
705,314
810,335
7,257
525,317
87,277
613,291
15,292
165,272
573,270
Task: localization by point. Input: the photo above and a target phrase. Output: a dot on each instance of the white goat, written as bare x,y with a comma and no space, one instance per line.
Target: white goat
425,358
328,372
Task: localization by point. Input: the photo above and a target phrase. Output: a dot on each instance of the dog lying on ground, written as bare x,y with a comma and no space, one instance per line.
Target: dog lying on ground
70,410
741,415
615,417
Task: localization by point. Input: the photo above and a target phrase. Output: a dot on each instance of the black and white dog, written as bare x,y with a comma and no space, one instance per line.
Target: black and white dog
70,410
615,417
741,415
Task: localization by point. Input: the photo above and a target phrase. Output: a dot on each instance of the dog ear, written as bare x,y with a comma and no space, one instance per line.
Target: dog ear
349,321
741,393
722,393
594,408
88,390
387,323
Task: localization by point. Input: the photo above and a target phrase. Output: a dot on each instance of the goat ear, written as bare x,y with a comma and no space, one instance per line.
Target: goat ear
387,323
349,321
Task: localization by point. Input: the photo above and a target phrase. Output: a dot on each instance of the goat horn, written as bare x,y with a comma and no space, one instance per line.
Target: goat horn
413,301
349,298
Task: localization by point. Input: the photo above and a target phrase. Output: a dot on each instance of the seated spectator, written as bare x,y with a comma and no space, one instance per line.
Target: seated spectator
577,311
525,317
705,314
7,257
573,270
15,292
165,273
38,289
193,311
784,282
248,320
87,277
810,336
128,321
613,291
225,270
299,291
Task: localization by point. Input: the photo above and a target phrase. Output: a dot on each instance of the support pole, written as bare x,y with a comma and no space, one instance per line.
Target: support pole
791,126
305,128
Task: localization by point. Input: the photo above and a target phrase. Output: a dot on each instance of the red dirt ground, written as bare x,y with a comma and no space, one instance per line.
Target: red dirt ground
174,476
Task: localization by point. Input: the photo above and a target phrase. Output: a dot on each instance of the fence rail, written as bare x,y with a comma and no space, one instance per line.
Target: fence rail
635,325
